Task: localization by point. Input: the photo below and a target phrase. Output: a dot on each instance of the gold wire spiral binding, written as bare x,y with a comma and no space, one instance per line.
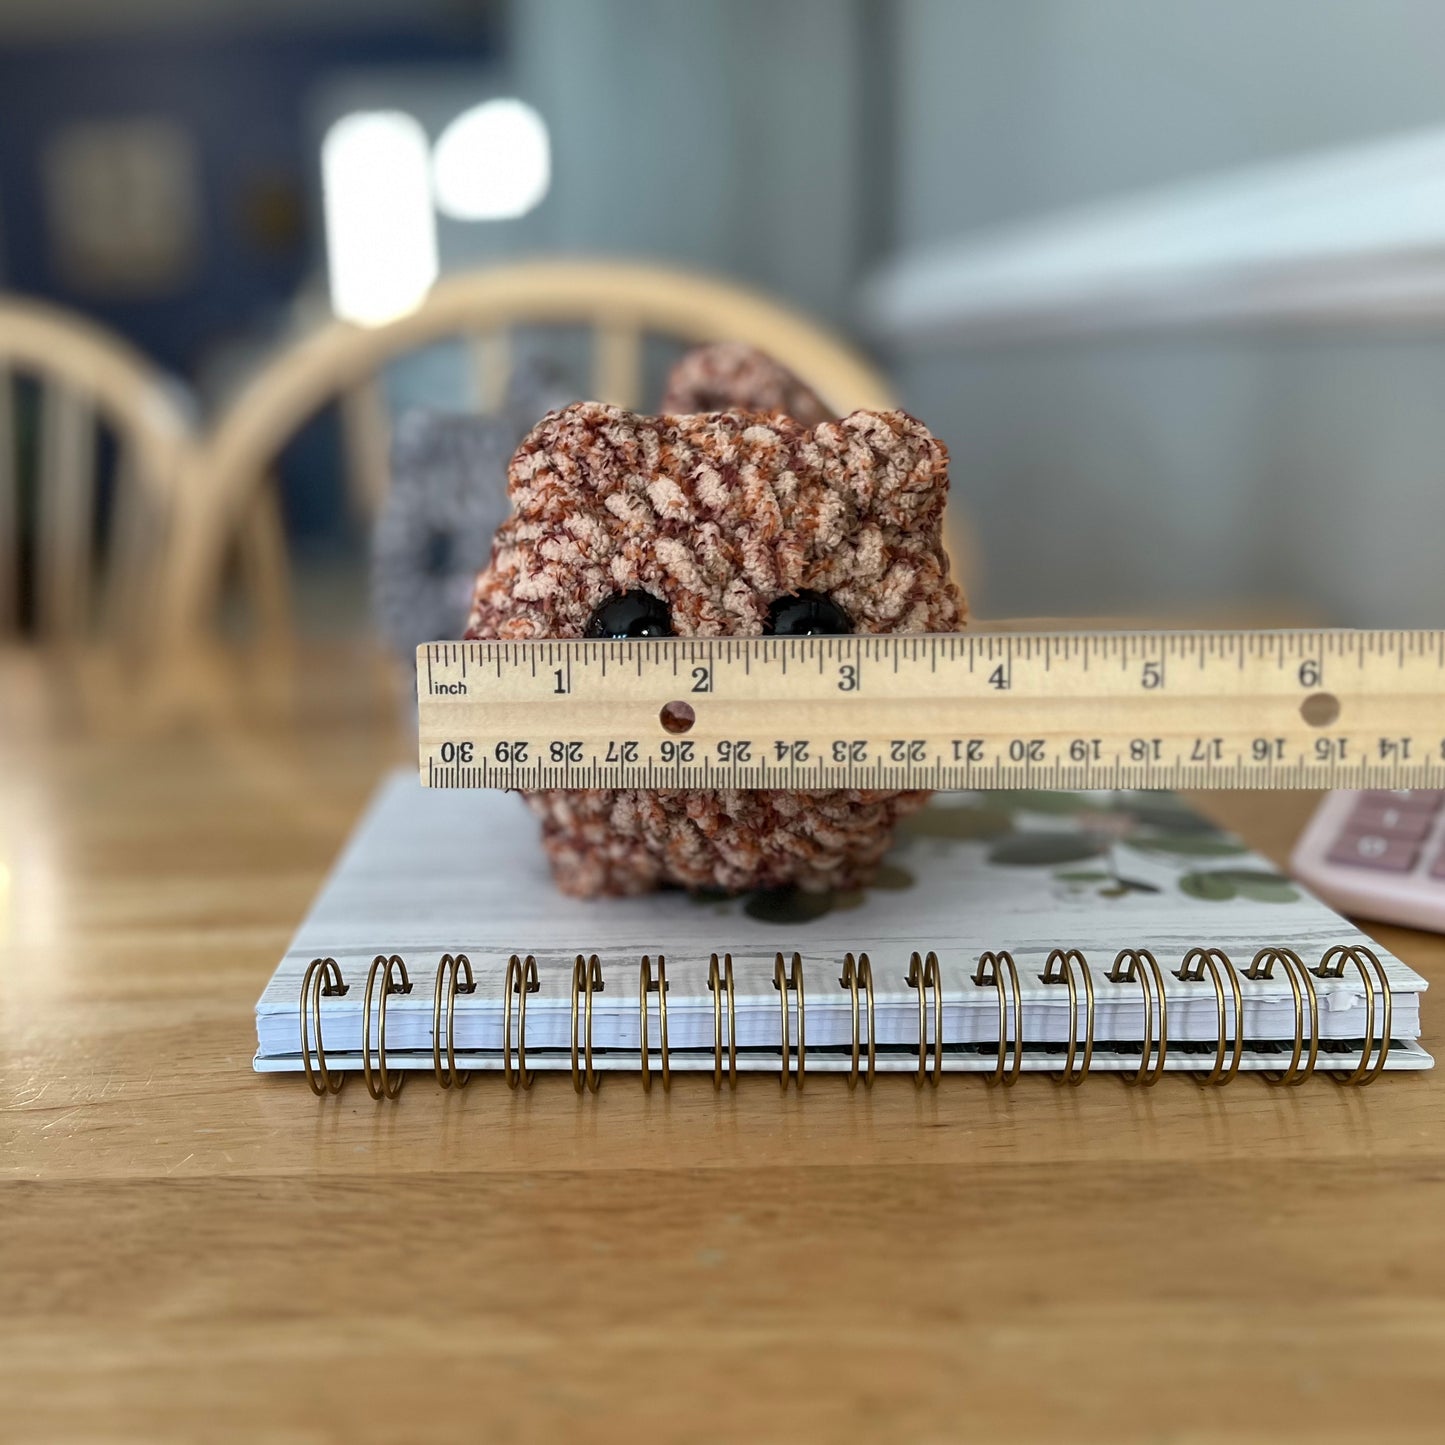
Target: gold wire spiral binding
1262,966
855,976
783,981
923,972
1141,965
448,971
521,979
1332,965
990,971
716,983
586,980
1067,959
645,986
322,980
380,1086
1191,970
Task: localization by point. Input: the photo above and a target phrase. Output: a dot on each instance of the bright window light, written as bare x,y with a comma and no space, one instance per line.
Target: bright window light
381,243
493,162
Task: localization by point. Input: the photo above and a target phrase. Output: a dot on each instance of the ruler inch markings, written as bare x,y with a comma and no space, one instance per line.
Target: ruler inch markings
918,711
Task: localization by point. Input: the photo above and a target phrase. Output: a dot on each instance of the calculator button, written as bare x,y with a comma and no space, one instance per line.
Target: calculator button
1373,850
1410,824
1405,799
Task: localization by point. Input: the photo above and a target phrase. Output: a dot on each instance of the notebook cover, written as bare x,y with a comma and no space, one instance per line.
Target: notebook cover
431,872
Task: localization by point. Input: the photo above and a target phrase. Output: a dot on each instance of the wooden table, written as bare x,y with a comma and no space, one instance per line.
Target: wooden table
190,1251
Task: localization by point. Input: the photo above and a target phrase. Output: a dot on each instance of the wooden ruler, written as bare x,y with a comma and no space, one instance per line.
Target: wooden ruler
1316,709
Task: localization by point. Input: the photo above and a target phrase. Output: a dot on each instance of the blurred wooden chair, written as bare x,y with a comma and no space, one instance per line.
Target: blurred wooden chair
91,454
620,304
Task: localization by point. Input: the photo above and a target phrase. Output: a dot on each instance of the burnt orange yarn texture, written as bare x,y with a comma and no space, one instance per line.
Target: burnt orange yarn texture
719,514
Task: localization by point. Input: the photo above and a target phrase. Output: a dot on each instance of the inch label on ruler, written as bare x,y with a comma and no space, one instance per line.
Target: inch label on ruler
968,710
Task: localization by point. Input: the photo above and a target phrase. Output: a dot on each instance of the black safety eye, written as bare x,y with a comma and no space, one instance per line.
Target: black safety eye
631,614
807,614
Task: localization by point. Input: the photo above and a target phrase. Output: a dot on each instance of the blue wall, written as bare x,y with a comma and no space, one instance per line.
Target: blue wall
244,101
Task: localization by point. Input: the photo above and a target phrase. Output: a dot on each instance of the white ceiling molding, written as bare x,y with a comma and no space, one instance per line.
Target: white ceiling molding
1347,237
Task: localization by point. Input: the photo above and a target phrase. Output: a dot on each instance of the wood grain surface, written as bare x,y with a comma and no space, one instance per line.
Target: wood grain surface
189,1251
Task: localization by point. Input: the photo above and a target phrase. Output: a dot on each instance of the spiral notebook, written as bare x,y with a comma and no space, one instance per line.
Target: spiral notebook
1067,933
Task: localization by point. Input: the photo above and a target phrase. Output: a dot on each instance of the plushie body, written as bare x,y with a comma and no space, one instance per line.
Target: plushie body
721,524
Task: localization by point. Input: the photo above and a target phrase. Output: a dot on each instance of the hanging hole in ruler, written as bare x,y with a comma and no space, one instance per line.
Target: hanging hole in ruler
1320,709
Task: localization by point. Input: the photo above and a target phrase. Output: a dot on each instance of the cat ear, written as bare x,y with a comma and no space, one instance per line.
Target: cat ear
733,376
889,462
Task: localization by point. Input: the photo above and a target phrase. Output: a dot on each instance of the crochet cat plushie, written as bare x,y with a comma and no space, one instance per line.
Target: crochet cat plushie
723,524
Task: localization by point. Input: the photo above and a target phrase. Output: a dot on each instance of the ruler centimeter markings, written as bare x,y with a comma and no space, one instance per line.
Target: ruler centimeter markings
1069,710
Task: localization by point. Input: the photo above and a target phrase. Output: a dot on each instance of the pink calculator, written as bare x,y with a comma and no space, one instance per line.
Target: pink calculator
1378,855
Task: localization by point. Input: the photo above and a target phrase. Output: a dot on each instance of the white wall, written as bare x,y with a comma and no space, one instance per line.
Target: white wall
1178,471
718,133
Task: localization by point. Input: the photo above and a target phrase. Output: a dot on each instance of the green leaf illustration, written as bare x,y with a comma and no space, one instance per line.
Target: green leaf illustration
963,824
1264,887
1115,887
1207,886
794,905
1042,849
1219,885
1186,845
892,878
1168,813
788,905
